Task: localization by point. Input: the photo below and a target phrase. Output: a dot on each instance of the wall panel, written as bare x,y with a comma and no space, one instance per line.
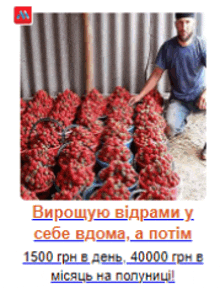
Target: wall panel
125,48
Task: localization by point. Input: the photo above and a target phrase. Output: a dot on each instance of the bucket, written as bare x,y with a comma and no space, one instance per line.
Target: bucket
58,189
89,191
133,187
135,195
131,129
103,117
47,119
44,193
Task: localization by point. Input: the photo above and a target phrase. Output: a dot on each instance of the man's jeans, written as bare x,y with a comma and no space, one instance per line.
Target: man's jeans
177,113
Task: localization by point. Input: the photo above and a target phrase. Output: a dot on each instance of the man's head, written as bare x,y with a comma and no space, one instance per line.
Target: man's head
185,24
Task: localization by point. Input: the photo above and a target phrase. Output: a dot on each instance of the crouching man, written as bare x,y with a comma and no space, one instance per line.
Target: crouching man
184,57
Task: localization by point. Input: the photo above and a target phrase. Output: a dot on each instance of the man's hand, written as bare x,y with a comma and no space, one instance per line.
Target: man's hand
149,85
134,99
202,101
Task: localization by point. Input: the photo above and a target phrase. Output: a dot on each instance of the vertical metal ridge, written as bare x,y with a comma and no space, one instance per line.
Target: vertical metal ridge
113,52
96,20
105,52
143,50
75,35
119,48
134,35
57,52
125,52
50,55
63,43
162,36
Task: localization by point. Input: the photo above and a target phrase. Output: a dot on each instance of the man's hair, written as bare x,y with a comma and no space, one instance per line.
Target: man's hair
181,15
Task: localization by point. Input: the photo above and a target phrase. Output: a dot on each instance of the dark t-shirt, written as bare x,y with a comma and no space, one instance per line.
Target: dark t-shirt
186,67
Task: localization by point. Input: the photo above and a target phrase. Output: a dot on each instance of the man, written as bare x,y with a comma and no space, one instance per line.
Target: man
184,56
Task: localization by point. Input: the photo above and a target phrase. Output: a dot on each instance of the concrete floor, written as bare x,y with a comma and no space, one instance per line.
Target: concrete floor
186,150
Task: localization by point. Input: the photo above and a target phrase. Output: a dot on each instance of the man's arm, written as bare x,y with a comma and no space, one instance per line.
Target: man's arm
150,84
202,101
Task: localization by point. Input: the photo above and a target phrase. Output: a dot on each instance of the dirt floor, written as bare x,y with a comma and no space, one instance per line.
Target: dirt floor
186,149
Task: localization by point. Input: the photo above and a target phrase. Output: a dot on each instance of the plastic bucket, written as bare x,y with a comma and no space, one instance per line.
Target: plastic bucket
128,143
89,191
101,163
58,189
43,193
103,117
133,187
47,119
131,159
98,180
135,195
131,129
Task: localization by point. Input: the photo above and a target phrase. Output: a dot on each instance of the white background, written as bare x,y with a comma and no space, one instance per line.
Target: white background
16,225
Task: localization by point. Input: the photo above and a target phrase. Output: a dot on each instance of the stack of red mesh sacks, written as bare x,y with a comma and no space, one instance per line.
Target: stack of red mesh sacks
115,138
153,162
92,109
75,175
119,116
77,159
40,142
32,111
65,107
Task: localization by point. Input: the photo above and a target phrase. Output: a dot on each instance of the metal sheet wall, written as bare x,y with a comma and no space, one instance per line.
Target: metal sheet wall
52,51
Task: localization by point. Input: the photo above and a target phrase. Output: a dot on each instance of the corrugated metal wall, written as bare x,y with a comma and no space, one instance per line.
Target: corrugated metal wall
52,51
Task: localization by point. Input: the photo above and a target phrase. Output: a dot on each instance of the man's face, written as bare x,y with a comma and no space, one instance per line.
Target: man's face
185,27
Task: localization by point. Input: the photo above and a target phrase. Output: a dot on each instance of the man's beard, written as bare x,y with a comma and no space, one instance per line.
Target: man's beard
185,39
